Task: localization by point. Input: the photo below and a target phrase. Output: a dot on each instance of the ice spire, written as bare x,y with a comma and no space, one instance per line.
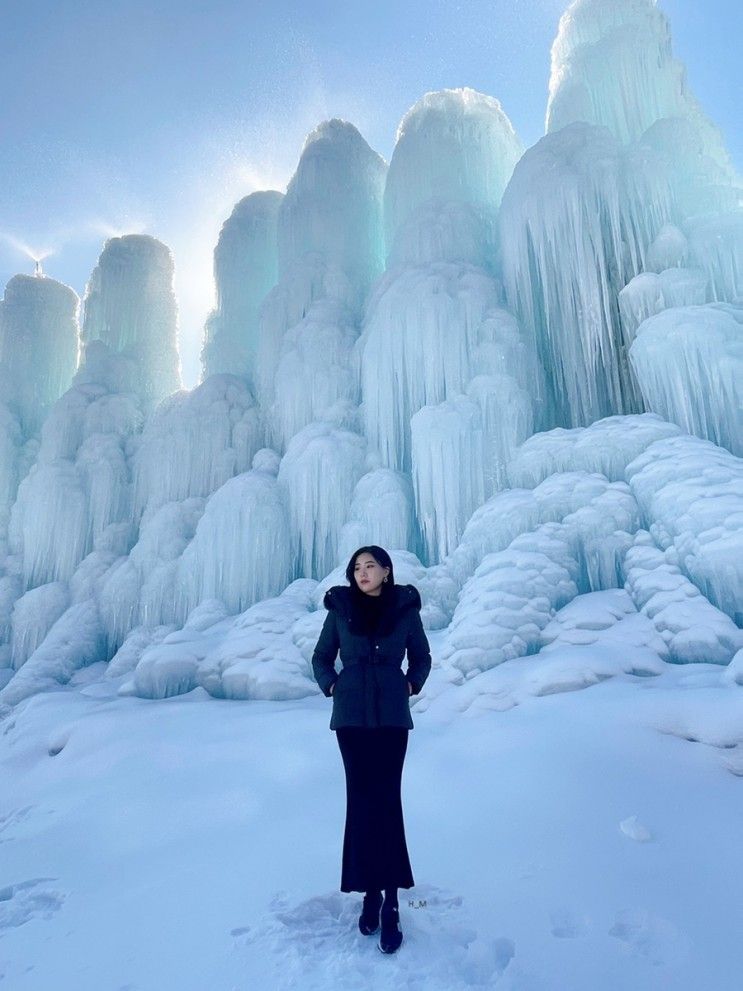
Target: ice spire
245,270
612,64
130,306
38,345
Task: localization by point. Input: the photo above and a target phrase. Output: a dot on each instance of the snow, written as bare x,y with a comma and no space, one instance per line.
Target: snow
582,812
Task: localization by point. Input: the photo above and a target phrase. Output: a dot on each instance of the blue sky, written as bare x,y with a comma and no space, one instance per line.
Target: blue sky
158,116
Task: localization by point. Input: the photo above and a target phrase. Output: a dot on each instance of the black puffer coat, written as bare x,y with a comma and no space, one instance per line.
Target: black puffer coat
371,689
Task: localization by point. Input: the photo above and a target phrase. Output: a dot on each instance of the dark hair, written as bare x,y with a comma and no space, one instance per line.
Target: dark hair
382,558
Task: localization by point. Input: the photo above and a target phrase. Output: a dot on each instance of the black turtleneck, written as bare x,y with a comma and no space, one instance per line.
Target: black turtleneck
370,611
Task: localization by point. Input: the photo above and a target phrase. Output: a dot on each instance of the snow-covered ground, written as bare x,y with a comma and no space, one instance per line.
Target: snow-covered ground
560,838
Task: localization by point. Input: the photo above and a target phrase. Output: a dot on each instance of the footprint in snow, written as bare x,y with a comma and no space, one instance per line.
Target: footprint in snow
650,936
25,900
316,943
566,924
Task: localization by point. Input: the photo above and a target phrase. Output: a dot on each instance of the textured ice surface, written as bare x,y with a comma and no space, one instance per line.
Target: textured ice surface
241,551
689,363
438,311
245,269
38,346
317,476
130,306
195,441
448,448
455,148
263,653
691,495
612,64
381,512
314,371
649,293
606,446
330,238
690,627
581,525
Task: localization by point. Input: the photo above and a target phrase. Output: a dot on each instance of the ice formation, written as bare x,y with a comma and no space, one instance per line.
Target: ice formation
453,147
314,372
448,449
330,239
195,441
650,293
241,551
689,363
569,243
509,406
612,64
245,270
318,475
130,306
437,310
691,628
691,492
381,512
80,483
38,346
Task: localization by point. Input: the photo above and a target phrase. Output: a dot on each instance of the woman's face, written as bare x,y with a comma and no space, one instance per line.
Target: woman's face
369,574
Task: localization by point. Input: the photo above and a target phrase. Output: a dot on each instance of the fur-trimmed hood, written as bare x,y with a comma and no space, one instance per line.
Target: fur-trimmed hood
338,597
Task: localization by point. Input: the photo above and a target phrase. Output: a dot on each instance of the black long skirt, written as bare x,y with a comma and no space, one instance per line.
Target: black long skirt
375,854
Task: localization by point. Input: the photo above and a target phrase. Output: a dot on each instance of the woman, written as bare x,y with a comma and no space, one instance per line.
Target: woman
373,622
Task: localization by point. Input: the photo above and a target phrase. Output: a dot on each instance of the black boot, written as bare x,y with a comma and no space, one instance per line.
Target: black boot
391,935
369,918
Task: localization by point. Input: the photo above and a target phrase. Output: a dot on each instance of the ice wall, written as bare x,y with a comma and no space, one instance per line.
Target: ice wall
130,306
245,270
38,346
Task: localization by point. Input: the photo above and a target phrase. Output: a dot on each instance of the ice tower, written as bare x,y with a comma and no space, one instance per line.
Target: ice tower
130,306
38,346
330,248
245,270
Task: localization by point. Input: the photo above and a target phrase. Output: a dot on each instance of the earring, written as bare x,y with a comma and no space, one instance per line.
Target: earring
385,578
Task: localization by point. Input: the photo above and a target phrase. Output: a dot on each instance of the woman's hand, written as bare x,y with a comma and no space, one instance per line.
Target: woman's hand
410,689
331,688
